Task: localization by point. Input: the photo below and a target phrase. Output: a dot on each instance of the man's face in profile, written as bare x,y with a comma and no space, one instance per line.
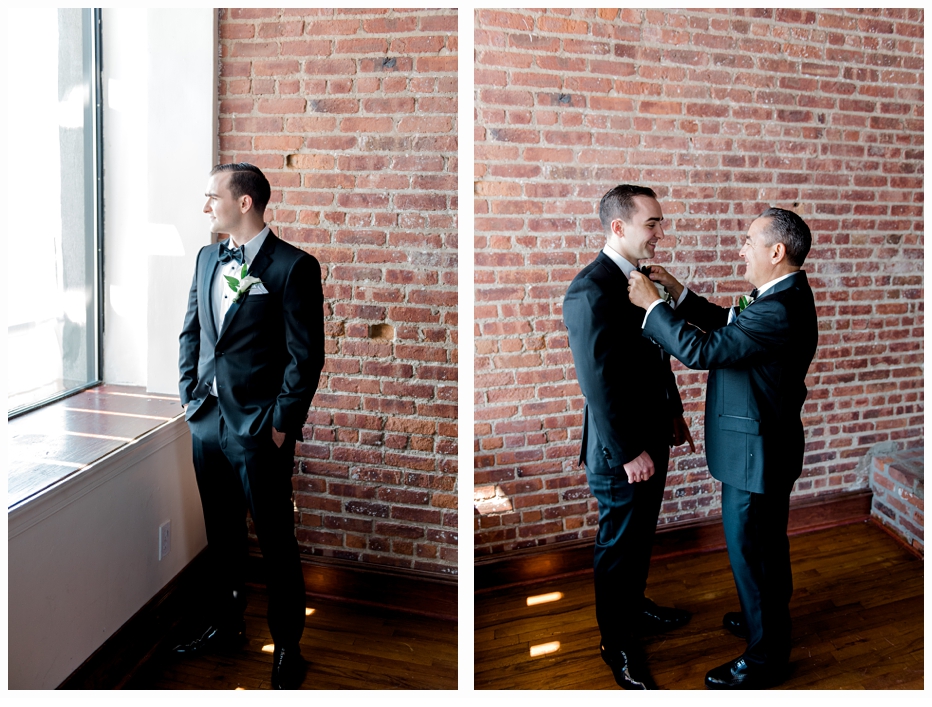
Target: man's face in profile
643,230
756,253
222,208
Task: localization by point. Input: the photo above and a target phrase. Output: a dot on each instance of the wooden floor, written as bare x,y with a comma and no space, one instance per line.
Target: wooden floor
857,621
347,646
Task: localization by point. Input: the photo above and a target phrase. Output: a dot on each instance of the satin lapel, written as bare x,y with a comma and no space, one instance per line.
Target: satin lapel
797,279
259,265
207,285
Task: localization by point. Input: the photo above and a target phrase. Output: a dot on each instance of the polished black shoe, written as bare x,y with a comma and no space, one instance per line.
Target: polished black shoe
737,674
629,668
734,622
213,637
660,619
288,668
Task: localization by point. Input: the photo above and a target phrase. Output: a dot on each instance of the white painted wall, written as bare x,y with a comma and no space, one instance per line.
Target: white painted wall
160,142
83,557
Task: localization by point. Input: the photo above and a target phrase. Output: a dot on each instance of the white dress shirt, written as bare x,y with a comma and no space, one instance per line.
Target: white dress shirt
627,268
221,292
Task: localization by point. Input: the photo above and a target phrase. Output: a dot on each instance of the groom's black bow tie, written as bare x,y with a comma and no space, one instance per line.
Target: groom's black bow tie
754,293
227,254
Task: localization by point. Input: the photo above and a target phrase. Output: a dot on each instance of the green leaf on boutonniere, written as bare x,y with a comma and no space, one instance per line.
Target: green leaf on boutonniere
232,282
242,273
743,302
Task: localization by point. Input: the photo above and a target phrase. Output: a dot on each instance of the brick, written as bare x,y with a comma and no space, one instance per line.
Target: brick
722,112
362,158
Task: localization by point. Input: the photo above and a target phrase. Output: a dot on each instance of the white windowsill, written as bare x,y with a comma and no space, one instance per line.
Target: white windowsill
34,509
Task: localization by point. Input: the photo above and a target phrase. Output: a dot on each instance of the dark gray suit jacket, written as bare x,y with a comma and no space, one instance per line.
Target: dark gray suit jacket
753,432
630,390
270,351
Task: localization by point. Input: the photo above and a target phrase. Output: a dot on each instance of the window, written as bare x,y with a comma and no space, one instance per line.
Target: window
53,167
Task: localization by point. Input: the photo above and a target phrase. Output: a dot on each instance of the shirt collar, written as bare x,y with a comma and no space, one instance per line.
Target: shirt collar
616,257
252,246
761,291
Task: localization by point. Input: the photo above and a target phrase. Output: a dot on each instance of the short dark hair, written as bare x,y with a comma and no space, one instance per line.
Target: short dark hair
247,179
619,203
788,228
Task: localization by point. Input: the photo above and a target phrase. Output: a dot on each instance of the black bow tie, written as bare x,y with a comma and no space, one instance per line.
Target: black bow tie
227,254
754,293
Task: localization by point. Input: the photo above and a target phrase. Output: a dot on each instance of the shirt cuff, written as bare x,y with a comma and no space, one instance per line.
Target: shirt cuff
649,310
679,300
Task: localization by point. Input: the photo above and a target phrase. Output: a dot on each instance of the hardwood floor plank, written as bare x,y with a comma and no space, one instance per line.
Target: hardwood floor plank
857,620
347,647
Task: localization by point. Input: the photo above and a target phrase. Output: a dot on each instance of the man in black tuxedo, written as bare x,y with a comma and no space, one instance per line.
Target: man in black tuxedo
252,349
758,358
632,415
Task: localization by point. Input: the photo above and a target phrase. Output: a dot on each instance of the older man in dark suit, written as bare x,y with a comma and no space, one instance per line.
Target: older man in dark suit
632,415
252,349
758,354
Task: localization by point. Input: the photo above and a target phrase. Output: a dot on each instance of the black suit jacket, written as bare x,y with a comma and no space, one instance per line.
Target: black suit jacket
756,389
269,354
630,390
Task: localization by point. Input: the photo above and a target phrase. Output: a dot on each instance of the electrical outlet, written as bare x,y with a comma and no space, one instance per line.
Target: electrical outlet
165,539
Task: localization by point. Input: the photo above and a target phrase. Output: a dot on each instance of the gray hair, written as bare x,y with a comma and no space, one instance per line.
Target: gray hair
790,230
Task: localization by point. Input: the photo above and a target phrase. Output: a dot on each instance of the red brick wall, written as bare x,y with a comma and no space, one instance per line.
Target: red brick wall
723,113
352,116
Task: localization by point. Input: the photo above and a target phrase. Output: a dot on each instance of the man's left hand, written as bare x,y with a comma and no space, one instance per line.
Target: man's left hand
278,437
681,434
641,291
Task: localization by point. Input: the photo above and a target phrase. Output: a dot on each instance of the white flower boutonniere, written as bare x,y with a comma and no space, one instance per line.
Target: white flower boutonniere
743,302
241,286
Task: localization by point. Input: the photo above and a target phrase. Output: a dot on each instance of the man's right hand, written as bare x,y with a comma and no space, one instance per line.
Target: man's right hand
670,283
641,468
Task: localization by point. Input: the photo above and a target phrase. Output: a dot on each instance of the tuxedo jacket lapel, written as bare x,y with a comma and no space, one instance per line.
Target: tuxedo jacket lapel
206,286
259,265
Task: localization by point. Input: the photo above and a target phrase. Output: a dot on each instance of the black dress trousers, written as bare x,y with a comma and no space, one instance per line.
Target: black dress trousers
232,479
755,527
627,522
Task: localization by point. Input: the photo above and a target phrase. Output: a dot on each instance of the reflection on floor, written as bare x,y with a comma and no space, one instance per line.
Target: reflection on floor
347,646
857,621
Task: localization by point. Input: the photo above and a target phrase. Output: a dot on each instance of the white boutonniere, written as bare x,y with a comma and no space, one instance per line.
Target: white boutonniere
743,302
241,286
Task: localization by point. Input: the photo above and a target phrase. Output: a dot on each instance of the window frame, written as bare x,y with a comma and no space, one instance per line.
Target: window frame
94,206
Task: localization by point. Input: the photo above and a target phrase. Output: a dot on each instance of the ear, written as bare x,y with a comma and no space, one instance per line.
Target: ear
245,203
777,253
618,228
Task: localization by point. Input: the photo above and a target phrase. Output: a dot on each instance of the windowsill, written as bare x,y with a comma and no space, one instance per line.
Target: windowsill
59,442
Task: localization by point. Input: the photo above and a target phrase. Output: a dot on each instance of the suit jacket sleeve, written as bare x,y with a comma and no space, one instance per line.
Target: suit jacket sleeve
759,331
597,353
302,305
699,311
190,341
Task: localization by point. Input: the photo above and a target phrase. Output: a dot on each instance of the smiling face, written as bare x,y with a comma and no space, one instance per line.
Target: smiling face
636,239
224,210
758,254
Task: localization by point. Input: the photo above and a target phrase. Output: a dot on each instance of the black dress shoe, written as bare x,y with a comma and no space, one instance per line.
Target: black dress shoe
213,637
288,668
629,668
660,619
739,675
734,622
